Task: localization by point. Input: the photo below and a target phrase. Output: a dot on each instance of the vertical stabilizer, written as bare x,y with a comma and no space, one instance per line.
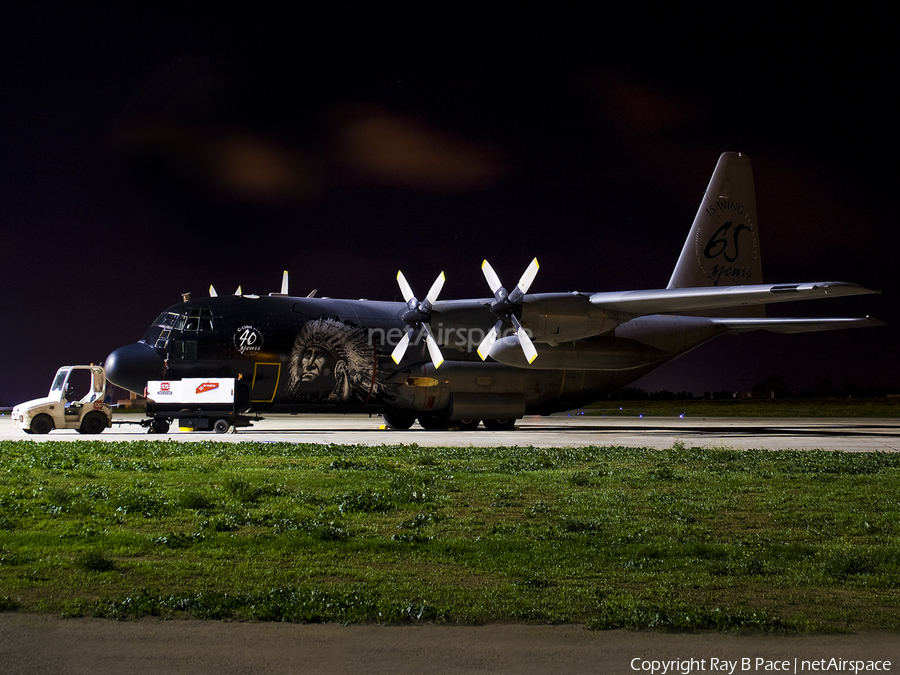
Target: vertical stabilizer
722,248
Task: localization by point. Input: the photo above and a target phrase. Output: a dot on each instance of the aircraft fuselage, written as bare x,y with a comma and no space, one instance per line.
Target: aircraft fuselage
321,354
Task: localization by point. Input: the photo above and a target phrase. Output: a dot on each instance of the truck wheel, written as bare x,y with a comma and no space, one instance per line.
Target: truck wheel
42,424
467,425
93,423
159,426
222,426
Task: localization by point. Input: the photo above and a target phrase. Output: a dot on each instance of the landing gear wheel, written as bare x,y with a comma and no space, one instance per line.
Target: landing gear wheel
467,425
222,426
397,420
500,425
437,422
93,423
159,426
42,424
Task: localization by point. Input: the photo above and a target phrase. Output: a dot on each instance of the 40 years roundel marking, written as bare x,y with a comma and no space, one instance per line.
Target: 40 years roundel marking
248,339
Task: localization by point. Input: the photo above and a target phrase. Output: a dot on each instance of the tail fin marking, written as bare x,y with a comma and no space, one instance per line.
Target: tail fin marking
722,248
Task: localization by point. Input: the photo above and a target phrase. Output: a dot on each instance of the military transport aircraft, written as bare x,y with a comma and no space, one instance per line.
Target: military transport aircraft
457,363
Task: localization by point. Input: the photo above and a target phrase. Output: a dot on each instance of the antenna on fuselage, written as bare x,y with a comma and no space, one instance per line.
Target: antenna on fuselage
284,285
212,291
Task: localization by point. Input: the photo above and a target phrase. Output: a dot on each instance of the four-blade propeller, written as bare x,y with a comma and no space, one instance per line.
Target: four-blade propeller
417,314
503,307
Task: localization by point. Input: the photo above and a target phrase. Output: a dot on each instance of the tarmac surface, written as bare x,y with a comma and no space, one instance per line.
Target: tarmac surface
31,643
574,429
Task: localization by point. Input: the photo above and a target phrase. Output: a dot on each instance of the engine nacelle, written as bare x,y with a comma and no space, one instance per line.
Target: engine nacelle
555,318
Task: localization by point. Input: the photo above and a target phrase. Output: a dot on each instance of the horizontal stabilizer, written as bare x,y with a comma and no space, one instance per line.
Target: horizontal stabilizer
686,300
778,325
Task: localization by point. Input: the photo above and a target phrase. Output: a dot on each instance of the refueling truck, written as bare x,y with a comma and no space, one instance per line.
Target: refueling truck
217,404
63,408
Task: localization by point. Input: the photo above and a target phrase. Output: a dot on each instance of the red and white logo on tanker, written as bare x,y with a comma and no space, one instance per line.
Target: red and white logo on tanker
207,386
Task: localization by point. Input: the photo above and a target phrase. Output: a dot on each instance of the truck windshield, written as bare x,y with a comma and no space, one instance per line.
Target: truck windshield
59,380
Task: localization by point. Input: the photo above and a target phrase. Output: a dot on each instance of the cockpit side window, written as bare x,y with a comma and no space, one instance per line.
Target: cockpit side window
166,319
206,319
195,319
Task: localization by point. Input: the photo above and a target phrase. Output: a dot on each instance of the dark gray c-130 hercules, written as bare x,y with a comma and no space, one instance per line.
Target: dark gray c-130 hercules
459,362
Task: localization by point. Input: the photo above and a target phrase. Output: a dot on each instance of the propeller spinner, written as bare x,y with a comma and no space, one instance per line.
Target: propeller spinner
503,306
418,314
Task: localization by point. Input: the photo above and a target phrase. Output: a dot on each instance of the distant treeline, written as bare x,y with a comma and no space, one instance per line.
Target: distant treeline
772,387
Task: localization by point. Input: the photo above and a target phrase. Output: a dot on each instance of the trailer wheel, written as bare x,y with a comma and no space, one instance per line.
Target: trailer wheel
42,424
467,425
159,426
222,426
93,423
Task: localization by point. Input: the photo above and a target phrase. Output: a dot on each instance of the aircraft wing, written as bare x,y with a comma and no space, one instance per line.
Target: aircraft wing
779,325
682,300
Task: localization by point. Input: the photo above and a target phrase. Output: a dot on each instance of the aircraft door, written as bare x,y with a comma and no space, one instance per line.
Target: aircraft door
265,382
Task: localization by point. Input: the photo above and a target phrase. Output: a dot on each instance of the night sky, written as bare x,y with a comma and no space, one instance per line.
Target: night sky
150,153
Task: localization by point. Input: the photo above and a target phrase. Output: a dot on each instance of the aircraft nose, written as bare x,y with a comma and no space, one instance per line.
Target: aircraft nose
131,366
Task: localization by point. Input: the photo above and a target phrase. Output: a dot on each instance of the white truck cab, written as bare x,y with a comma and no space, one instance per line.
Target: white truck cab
62,408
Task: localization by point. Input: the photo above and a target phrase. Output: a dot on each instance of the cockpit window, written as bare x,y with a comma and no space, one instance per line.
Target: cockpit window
166,319
195,320
190,321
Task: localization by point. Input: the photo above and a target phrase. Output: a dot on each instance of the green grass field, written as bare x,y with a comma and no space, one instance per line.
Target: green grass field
679,539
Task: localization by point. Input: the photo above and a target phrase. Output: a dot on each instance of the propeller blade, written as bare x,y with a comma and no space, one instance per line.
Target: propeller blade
491,276
528,277
212,291
284,283
527,345
400,349
405,289
435,289
433,349
524,341
484,349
